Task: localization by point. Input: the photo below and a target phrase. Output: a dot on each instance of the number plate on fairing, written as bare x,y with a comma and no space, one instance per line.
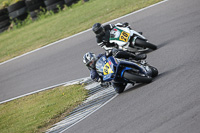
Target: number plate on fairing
107,69
124,36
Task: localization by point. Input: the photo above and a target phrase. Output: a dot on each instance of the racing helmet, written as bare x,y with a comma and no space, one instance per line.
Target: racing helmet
89,59
97,29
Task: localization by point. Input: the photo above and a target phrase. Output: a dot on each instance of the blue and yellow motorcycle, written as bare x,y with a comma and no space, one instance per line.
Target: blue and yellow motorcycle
121,71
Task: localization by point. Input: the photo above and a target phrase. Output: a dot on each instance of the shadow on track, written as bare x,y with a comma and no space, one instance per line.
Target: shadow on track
139,85
132,88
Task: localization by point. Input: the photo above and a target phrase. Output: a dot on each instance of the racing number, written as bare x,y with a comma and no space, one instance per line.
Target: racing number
106,69
124,36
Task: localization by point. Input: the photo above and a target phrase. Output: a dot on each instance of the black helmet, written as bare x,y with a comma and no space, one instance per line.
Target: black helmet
97,29
89,59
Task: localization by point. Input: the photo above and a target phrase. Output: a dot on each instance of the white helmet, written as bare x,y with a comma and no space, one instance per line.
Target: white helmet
88,59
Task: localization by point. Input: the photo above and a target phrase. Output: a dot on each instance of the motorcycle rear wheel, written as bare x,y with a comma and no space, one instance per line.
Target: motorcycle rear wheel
137,78
143,43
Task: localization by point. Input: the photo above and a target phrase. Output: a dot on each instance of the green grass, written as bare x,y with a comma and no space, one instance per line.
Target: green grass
71,20
35,113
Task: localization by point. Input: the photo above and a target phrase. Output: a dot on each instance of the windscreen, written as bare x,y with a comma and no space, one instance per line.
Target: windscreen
100,65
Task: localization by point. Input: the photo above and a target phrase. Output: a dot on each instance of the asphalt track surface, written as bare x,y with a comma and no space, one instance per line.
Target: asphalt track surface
170,104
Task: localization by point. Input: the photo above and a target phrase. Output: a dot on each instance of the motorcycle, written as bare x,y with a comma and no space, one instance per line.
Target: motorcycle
124,71
130,40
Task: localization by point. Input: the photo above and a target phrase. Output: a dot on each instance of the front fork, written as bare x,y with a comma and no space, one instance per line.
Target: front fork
134,45
146,66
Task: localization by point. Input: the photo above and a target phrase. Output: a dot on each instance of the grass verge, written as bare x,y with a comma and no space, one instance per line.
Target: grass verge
35,113
79,17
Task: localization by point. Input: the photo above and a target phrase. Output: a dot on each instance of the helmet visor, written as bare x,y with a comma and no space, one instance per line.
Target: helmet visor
91,63
99,31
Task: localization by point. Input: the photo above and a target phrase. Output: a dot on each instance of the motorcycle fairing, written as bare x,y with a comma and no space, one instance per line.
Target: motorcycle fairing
121,35
109,68
105,68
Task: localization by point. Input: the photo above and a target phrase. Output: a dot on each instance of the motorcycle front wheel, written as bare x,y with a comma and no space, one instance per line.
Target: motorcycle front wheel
154,71
137,78
143,43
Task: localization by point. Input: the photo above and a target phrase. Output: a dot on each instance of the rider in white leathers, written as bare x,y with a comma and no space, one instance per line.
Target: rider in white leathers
103,35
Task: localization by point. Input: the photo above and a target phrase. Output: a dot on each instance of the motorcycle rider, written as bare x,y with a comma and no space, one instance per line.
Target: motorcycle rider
89,59
103,35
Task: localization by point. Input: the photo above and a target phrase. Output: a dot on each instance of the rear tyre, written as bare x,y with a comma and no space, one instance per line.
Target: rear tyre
69,2
3,11
4,23
3,17
16,6
50,2
55,7
36,7
4,20
137,78
142,43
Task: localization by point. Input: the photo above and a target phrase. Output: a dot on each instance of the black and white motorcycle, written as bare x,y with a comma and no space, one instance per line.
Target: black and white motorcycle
130,40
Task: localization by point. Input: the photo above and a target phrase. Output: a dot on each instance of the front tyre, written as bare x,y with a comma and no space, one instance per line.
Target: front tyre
133,77
154,71
143,43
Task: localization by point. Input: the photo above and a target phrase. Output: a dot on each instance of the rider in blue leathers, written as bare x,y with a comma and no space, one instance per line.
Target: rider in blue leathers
89,59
